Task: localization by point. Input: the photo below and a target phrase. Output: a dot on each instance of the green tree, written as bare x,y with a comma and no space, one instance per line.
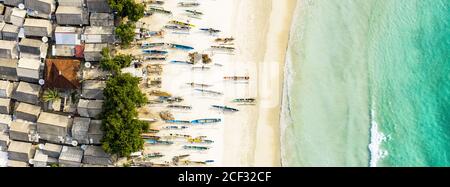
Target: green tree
115,63
120,124
127,8
125,32
135,12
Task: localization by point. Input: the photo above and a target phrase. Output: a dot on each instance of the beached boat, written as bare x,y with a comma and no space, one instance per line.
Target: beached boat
181,62
179,136
150,136
154,52
199,148
193,84
152,2
171,99
224,40
158,142
156,58
206,121
209,91
238,78
188,4
177,27
153,155
146,45
149,34
182,47
152,131
225,108
201,68
194,12
160,10
210,30
245,100
160,93
175,127
178,121
222,47
180,23
183,107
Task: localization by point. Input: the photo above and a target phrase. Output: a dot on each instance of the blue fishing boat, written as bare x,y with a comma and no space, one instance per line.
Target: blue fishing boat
181,62
182,47
158,142
146,45
206,121
154,52
175,127
178,121
210,30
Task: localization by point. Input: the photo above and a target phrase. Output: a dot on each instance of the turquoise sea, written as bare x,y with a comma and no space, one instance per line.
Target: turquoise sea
367,83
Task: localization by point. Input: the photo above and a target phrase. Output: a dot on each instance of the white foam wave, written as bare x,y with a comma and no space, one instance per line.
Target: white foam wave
376,139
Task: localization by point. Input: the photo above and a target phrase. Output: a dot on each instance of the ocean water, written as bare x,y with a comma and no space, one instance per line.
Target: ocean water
367,83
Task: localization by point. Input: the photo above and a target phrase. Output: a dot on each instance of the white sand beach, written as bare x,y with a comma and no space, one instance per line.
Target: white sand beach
251,136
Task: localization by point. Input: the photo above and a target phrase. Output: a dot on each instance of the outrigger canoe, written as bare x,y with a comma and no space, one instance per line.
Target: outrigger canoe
198,85
244,100
180,23
209,91
175,127
206,121
154,52
158,142
160,10
199,148
225,108
188,4
210,30
181,62
178,121
177,27
194,12
180,107
183,47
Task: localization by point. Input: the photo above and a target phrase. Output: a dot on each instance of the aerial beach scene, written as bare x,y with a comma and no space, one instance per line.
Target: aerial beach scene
224,83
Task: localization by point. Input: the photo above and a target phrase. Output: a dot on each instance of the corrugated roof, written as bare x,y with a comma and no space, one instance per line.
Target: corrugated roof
69,10
53,119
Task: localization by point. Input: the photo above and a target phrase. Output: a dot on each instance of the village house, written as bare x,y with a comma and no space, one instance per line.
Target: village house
102,19
92,89
5,106
40,159
8,49
10,32
29,70
20,151
5,122
52,150
38,27
17,164
95,34
43,7
67,35
6,89
98,6
80,130
20,131
75,3
89,108
62,74
70,15
27,112
8,67
27,92
95,133
53,127
92,52
4,141
33,48
17,17
13,2
2,24
70,157
97,156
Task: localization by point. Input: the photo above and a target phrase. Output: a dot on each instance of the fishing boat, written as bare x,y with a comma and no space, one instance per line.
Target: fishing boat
177,27
181,62
193,84
180,23
210,30
183,47
146,45
179,136
160,93
171,99
223,47
209,91
153,155
175,127
160,10
178,121
151,2
183,107
206,121
158,142
225,108
225,40
244,100
148,34
153,131
201,68
238,78
150,136
155,58
188,4
154,52
199,148
194,12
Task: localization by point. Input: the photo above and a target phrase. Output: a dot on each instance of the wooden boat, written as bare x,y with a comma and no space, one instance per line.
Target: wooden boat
160,10
171,99
152,2
177,27
180,136
180,107
188,4
175,127
180,23
194,12
206,121
156,58
192,84
181,62
158,142
149,34
183,47
201,68
225,108
238,78
150,136
209,91
199,148
160,93
146,45
153,131
166,115
153,155
154,52
244,100
223,47
210,30
225,40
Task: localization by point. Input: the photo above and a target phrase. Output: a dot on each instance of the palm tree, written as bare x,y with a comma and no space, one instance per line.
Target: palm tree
51,95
